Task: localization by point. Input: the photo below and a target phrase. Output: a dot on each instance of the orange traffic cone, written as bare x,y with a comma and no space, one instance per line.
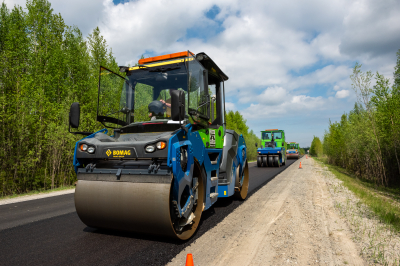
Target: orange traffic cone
306,157
300,166
189,260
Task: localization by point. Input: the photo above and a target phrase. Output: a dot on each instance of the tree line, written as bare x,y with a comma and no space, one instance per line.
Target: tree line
45,65
366,141
235,121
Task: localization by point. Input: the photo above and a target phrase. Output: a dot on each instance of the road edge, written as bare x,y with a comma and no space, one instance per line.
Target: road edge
36,196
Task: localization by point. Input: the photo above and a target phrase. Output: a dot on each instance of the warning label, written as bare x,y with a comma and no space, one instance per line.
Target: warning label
212,138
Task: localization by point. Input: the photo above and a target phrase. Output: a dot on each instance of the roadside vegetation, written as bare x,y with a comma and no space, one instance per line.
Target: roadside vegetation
235,121
363,148
370,212
316,147
383,201
366,141
45,65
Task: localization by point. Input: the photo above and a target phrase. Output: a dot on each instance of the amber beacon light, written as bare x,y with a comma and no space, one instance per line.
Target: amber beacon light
165,57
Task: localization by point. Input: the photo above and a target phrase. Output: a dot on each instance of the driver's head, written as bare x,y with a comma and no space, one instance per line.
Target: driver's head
156,108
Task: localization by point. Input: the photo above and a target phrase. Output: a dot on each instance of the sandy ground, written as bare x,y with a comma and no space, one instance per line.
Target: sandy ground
36,196
379,243
291,220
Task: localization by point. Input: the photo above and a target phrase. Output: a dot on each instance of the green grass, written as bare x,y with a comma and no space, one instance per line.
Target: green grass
33,192
386,206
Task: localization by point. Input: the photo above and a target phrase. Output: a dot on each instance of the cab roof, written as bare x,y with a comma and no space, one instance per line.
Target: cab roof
180,57
275,130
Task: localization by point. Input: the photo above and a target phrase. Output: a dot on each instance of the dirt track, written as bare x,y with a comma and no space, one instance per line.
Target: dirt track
291,220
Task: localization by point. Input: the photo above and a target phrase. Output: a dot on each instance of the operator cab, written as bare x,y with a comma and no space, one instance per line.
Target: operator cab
141,101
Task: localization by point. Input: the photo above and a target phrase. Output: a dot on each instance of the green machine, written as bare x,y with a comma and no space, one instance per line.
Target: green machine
273,147
293,150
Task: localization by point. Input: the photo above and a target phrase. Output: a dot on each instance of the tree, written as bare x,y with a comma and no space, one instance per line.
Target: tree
316,147
235,121
45,66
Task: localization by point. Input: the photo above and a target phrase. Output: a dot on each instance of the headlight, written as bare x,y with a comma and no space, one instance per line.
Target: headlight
150,148
91,150
161,145
84,147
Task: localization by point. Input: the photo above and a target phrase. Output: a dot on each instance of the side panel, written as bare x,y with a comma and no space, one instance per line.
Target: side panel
225,191
207,158
213,136
237,160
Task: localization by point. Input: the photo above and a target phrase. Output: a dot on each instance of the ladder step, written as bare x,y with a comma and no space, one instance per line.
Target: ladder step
215,178
213,195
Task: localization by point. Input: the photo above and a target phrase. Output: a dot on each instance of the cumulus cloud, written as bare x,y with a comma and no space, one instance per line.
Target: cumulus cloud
282,57
87,14
277,102
230,106
371,27
342,94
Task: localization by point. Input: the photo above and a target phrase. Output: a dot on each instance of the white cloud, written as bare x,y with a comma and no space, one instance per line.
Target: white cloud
281,103
342,94
282,57
87,14
230,106
330,74
371,27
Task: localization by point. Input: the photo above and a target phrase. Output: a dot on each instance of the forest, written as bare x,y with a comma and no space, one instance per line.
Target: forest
45,66
366,141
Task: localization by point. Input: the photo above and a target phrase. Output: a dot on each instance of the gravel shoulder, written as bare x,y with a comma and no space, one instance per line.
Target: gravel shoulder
291,220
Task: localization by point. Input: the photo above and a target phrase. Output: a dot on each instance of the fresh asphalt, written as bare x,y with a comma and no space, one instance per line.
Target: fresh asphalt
48,232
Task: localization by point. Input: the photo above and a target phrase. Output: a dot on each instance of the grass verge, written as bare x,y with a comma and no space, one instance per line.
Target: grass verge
380,200
34,192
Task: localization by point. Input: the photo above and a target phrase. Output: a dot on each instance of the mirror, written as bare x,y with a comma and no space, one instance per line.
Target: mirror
177,105
74,115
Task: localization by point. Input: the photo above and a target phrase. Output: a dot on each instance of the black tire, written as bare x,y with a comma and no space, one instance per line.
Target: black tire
265,164
276,161
243,189
259,161
270,161
284,162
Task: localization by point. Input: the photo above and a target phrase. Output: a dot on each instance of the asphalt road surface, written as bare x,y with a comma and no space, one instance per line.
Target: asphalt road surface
49,232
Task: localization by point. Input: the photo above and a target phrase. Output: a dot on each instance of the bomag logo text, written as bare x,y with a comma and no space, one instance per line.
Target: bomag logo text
121,152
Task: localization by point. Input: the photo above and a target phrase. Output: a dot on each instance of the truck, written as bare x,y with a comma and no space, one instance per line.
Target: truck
167,157
293,150
272,152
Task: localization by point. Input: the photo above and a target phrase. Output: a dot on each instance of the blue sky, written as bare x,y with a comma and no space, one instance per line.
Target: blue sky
288,62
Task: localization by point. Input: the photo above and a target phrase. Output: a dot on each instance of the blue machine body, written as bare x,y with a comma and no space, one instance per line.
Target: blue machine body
270,151
196,150
239,161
